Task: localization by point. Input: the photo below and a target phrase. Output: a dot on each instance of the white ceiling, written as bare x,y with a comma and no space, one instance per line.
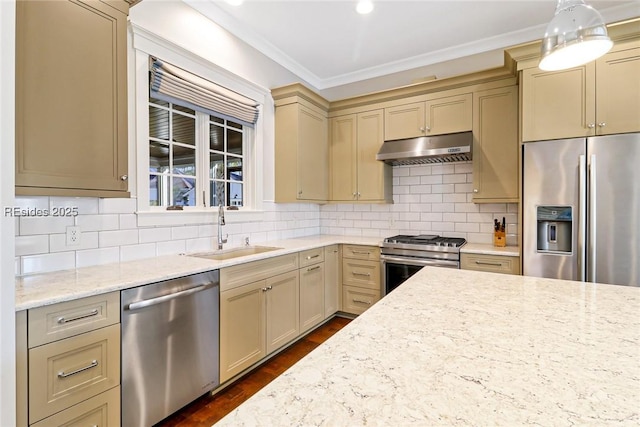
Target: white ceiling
330,46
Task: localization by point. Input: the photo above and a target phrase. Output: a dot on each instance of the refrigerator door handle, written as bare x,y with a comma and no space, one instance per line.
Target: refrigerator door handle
582,220
591,261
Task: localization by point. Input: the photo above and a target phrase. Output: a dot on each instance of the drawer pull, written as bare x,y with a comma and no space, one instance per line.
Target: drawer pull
268,288
312,257
63,320
360,301
361,252
313,268
63,374
494,264
355,273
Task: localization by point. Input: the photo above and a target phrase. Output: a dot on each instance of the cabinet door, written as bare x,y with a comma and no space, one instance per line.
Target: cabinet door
313,156
242,328
331,280
71,98
618,92
404,121
448,115
495,145
311,296
282,309
558,104
374,177
343,158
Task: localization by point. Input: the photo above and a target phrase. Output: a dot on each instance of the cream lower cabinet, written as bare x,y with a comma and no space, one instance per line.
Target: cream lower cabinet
255,320
598,98
70,362
356,175
311,288
439,114
332,275
490,263
360,278
495,145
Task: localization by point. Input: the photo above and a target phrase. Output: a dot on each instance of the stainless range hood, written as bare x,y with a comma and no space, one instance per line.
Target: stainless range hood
453,147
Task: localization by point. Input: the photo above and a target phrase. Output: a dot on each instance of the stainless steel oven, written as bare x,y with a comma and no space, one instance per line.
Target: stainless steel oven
404,255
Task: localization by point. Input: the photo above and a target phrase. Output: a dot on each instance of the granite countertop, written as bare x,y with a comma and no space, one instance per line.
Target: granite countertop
455,347
49,288
486,249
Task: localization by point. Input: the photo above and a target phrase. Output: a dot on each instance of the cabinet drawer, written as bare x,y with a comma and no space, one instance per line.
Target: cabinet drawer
69,371
371,253
55,322
312,256
241,274
102,410
363,274
490,263
358,300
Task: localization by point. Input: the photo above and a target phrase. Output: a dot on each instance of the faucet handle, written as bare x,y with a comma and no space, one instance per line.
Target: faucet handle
225,239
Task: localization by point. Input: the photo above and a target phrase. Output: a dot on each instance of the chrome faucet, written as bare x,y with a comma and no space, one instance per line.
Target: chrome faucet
221,222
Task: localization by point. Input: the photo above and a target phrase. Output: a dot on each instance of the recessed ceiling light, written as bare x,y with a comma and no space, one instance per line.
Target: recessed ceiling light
364,6
234,2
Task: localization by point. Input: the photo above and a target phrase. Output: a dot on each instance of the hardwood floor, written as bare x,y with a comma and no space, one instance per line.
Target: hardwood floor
207,410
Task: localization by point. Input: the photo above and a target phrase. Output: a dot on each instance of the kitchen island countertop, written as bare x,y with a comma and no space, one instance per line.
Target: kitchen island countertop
455,347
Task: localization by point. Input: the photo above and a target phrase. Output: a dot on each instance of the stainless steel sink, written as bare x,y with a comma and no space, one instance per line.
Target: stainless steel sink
230,253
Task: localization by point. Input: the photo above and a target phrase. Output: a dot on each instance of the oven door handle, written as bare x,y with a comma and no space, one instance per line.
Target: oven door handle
420,262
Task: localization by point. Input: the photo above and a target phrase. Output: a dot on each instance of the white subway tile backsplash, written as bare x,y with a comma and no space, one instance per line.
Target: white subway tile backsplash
84,205
467,227
32,245
128,221
173,247
444,188
32,202
154,234
134,252
58,242
32,225
98,222
118,238
91,257
189,232
117,206
47,262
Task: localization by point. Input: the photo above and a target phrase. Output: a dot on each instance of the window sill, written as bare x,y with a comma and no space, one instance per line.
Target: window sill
192,217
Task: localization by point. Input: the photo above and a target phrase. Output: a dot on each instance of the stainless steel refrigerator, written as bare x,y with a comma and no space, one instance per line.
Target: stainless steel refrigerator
581,209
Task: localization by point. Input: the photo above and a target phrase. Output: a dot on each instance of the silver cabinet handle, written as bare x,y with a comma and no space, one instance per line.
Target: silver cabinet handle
495,264
165,298
591,125
361,253
355,273
313,268
475,190
422,129
63,320
428,128
602,124
267,288
312,256
361,301
124,177
63,374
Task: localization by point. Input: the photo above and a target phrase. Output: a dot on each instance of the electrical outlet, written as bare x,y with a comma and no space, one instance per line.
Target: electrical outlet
73,235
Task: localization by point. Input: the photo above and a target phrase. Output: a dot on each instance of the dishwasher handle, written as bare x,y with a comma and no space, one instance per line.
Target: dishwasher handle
159,300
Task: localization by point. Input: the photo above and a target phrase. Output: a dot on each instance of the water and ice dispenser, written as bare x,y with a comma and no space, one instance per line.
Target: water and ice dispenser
555,225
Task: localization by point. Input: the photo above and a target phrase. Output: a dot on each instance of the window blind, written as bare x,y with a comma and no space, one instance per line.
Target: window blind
172,84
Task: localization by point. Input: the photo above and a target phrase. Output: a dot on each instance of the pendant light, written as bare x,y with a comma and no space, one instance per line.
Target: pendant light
576,35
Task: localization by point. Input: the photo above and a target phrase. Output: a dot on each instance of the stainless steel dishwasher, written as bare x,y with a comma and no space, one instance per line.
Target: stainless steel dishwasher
170,346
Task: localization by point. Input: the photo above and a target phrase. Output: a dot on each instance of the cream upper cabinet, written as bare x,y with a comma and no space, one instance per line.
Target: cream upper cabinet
618,92
437,116
301,147
71,98
356,175
495,145
599,98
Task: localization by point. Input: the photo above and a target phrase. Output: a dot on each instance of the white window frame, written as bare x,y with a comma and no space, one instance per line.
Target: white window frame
145,45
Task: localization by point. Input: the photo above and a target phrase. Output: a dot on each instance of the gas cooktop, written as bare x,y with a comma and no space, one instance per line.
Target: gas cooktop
424,240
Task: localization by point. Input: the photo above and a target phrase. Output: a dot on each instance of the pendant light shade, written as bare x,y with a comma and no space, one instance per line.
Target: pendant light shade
576,35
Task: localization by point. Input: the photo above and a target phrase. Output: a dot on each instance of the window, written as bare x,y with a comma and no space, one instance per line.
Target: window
176,150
